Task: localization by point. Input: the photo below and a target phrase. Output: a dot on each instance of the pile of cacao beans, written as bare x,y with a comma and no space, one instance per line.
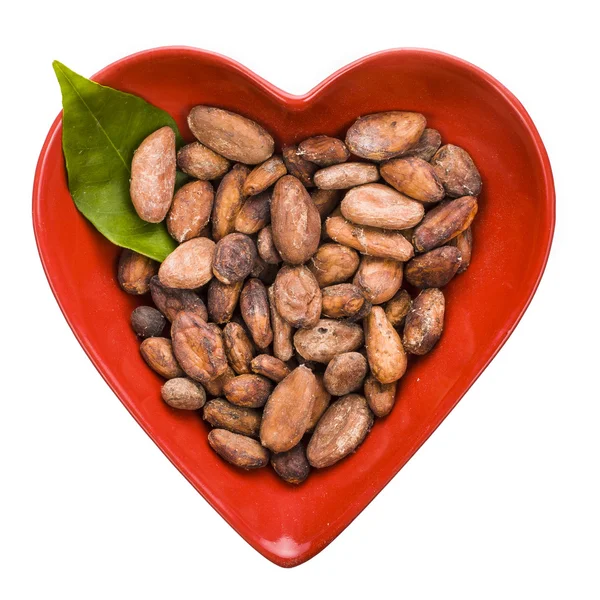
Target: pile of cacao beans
284,295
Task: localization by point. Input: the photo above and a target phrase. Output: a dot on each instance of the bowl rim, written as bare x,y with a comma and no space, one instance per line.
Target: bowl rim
297,101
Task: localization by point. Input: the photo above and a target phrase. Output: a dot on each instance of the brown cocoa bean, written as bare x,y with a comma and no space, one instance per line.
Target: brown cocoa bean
292,465
282,331
297,296
237,419
228,201
266,247
397,308
158,354
214,387
327,339
171,301
235,137
189,266
378,278
295,221
457,171
238,347
201,162
425,322
414,177
386,134
147,322
369,240
380,206
433,269
345,373
380,396
153,170
444,222
464,242
135,272
222,300
270,366
326,200
249,390
298,166
322,400
288,410
333,263
427,146
234,258
239,450
345,175
198,347
264,176
190,210
385,352
340,431
342,301
183,393
254,307
254,214
324,150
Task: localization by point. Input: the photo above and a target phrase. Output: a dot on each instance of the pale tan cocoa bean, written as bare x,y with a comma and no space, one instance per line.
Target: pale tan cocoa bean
322,400
387,359
333,263
369,240
427,146
198,347
238,347
380,396
222,300
237,419
345,373
297,296
283,347
254,214
327,339
340,431
298,166
153,170
135,272
234,258
190,210
171,301
345,175
147,322
435,268
457,171
239,450
295,221
228,201
288,410
380,206
324,150
444,222
189,266
264,176
214,387
464,242
343,301
183,393
425,322
383,135
235,137
378,278
292,465
158,354
254,307
201,162
270,366
397,308
249,390
414,177
266,247
326,200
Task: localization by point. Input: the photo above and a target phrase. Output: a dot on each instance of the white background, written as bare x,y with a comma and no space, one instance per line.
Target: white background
502,501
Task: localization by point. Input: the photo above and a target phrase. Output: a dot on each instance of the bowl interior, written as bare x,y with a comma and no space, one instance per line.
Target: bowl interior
512,236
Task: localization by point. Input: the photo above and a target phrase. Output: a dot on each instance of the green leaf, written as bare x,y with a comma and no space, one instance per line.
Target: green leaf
102,127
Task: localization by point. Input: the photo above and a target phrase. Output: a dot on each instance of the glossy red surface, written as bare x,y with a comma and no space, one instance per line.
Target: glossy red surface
512,237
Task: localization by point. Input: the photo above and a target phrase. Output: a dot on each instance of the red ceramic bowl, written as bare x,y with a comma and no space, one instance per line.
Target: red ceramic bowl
512,237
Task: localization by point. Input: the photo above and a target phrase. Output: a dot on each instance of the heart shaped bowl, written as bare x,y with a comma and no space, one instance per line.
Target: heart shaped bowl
512,238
